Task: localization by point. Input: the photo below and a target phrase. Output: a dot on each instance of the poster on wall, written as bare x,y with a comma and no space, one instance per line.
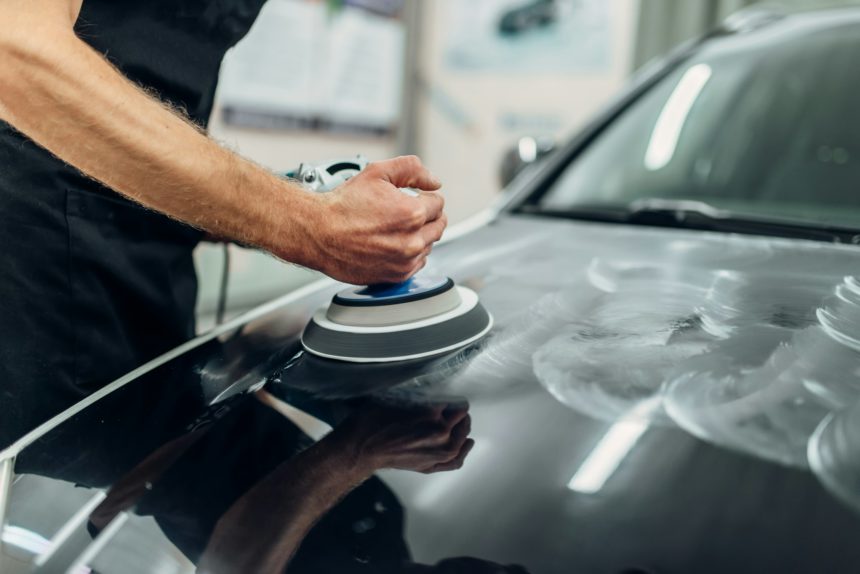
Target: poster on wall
307,65
529,36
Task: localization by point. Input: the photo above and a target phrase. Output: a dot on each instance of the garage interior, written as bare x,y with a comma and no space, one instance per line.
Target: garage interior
598,329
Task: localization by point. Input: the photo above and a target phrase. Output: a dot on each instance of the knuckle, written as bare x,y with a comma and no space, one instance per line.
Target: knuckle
414,216
368,173
410,215
413,247
412,161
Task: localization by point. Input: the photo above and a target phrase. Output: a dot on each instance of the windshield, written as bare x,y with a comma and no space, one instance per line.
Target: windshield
765,125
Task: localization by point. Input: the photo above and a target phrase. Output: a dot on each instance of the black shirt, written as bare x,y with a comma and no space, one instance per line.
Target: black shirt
94,285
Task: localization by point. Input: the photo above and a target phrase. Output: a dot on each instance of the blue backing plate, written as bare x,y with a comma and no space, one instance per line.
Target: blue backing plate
414,289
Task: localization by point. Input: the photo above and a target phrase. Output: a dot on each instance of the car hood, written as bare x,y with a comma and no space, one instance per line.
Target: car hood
662,399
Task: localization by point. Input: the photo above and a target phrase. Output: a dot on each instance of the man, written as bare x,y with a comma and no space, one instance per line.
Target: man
105,189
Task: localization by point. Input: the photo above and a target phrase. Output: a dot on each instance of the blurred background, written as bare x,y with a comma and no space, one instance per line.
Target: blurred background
471,86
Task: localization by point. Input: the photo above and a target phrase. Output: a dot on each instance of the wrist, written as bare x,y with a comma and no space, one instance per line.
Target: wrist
294,224
355,463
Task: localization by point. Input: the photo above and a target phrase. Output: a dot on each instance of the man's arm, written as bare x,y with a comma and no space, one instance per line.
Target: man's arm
67,98
263,529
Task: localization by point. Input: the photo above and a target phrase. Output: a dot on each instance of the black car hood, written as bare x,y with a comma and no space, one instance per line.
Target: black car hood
668,400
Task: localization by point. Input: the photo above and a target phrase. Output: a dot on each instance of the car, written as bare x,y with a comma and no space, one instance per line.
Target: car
672,383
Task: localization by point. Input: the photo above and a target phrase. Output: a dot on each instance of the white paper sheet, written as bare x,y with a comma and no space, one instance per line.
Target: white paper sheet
302,62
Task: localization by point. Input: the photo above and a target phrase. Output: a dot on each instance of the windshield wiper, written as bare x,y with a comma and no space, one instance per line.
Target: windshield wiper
688,214
681,208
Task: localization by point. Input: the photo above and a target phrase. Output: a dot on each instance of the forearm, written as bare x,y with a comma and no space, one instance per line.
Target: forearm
67,98
262,531
62,94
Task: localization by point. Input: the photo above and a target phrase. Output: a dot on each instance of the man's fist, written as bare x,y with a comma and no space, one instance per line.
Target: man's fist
368,231
426,439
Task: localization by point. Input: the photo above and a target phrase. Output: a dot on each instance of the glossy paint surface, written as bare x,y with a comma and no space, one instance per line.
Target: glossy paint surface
673,401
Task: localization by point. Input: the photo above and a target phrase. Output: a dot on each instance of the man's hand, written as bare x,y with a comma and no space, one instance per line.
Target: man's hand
427,439
370,232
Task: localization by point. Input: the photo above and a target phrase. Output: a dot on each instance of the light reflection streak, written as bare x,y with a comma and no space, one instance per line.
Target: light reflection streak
667,131
608,454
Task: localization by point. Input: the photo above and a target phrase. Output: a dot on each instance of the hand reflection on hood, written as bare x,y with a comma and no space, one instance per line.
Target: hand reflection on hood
252,494
425,439
289,501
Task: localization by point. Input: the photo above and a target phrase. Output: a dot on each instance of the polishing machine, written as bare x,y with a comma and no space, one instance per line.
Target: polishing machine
422,317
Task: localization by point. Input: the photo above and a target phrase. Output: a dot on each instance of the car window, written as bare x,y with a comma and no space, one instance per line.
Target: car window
767,125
